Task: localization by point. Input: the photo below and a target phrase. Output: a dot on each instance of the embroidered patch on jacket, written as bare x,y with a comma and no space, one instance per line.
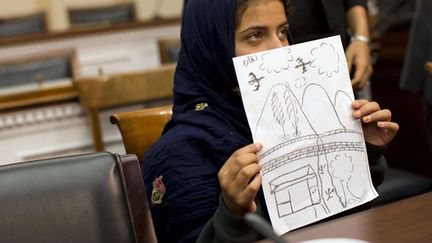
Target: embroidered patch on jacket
237,90
200,106
158,191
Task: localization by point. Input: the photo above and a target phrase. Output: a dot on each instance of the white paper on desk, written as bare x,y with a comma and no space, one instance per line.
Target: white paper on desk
298,104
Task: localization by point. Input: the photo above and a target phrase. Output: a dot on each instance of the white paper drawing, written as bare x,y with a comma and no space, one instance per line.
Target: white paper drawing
298,104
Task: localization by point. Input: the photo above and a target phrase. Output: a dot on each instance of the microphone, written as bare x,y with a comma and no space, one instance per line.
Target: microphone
261,226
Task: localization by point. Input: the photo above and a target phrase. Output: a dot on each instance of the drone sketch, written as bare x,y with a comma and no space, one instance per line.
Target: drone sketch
298,103
255,81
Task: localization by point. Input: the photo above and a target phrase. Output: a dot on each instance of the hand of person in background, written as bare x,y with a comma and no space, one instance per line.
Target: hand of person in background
358,56
240,179
378,128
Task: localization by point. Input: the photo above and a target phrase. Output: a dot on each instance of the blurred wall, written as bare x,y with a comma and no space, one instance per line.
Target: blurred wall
57,9
13,7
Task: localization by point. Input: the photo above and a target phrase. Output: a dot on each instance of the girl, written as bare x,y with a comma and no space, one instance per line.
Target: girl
202,175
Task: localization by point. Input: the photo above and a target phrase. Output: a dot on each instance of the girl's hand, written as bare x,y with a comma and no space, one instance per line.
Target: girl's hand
378,128
240,179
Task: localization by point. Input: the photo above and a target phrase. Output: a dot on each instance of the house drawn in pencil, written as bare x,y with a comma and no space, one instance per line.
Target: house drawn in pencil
288,190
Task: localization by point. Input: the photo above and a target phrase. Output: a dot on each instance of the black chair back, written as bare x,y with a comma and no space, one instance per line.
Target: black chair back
81,198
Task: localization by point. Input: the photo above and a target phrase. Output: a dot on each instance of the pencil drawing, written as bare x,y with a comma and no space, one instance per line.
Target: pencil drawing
298,103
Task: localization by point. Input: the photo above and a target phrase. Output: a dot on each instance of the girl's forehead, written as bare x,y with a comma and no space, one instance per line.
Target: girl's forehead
262,12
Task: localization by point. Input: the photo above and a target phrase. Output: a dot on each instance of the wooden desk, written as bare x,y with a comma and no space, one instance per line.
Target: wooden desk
408,220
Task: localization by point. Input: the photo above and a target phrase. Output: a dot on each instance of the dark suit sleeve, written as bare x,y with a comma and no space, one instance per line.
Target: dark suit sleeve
226,226
377,163
414,78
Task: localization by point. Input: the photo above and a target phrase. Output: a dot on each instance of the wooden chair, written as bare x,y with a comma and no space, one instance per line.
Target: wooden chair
141,128
102,15
101,92
23,25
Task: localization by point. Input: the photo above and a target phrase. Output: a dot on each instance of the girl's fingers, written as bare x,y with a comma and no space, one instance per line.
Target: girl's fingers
238,160
391,126
246,175
366,109
382,115
251,148
252,189
250,192
359,103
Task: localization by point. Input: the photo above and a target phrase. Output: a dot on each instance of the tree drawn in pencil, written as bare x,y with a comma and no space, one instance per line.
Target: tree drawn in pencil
342,169
278,113
293,111
286,113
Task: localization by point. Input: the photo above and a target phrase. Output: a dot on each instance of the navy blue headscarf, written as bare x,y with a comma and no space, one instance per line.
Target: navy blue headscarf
199,138
205,71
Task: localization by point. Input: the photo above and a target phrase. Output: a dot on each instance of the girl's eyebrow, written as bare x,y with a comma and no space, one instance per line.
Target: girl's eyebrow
255,28
284,24
261,28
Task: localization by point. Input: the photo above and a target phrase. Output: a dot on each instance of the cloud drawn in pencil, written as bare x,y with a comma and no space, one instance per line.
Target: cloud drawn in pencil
326,59
276,62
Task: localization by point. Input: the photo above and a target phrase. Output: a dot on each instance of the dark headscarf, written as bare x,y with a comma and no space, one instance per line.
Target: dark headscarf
199,138
205,71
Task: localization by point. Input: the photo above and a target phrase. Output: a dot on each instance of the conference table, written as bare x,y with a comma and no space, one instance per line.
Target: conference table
407,220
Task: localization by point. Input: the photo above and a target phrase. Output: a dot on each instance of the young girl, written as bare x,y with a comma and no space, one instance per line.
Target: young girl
202,175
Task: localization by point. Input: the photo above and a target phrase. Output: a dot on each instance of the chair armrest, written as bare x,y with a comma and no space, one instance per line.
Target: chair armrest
141,128
138,199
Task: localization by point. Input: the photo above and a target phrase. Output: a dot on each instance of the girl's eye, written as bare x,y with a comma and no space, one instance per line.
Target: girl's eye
256,36
283,32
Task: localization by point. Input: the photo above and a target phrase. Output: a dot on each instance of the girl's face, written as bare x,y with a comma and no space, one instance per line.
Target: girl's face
262,26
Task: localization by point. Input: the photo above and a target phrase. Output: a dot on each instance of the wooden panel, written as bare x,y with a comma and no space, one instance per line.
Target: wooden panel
38,97
121,89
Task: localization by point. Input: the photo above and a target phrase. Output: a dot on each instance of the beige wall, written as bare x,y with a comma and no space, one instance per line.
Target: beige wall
57,9
18,7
